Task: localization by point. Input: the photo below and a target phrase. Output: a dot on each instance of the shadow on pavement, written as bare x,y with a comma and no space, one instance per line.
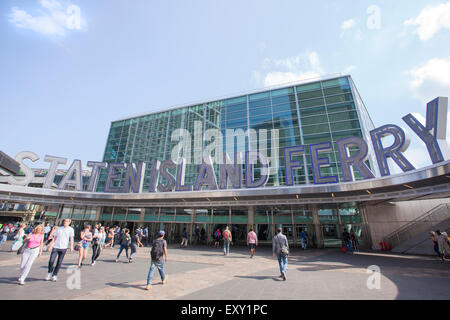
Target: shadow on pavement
125,285
260,278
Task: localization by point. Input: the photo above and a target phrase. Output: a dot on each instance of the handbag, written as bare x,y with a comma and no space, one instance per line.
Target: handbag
77,246
22,248
284,249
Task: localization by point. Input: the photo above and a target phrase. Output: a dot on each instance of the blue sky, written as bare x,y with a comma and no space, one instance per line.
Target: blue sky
62,84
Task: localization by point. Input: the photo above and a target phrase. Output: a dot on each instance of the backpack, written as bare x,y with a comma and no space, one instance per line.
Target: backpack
226,235
157,250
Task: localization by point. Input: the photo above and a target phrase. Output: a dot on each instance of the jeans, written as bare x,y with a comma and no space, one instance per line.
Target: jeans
56,252
226,247
96,249
28,257
303,243
156,264
121,249
348,246
282,262
133,250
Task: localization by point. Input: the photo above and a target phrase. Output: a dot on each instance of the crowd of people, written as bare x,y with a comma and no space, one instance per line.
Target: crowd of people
32,241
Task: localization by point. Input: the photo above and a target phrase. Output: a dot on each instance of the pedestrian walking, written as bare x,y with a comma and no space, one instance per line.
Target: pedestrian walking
125,242
227,239
86,239
304,239
135,242
280,248
5,233
197,235
47,230
110,238
217,235
145,236
184,241
63,240
18,239
158,257
252,241
434,241
347,244
444,248
33,249
353,240
98,241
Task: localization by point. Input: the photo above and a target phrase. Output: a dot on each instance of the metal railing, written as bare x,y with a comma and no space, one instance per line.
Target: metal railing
425,222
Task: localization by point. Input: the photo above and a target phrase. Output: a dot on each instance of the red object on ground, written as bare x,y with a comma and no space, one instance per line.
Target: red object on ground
382,246
343,249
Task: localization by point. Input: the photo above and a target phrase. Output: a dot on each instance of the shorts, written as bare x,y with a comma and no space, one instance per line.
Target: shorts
252,246
85,245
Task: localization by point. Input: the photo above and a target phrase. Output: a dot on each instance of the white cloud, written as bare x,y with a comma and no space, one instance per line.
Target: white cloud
279,71
349,69
431,20
348,24
431,79
55,21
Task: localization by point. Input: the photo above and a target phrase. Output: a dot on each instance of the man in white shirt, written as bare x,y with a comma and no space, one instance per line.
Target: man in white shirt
63,240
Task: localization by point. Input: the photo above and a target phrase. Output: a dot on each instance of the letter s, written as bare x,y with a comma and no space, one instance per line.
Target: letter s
29,175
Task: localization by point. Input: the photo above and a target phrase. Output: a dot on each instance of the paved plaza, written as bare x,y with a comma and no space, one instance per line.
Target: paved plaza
200,273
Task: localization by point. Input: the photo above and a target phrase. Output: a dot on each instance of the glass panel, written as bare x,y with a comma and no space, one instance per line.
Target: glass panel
335,82
308,87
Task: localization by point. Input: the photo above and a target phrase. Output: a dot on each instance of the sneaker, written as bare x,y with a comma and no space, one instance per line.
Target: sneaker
21,282
48,277
54,278
165,279
284,276
148,287
117,260
93,263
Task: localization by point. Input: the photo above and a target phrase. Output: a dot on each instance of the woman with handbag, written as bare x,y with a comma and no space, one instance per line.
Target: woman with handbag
18,239
33,245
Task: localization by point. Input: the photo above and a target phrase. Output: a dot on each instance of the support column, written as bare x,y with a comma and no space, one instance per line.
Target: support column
365,227
97,214
317,228
251,217
191,229
142,218
294,231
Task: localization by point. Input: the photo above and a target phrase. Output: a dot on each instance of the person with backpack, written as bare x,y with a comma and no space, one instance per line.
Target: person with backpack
280,248
125,242
227,239
158,257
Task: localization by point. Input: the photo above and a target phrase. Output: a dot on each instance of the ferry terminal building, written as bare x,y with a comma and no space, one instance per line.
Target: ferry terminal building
389,208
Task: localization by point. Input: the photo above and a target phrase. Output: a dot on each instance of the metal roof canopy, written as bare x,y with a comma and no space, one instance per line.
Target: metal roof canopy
426,183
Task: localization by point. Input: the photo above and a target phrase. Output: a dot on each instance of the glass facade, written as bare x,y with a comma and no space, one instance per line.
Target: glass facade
321,111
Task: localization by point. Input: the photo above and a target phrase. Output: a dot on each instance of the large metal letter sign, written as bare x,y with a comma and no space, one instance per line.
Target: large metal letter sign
318,162
96,167
434,134
401,143
29,175
112,176
357,161
290,164
134,178
74,170
164,171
